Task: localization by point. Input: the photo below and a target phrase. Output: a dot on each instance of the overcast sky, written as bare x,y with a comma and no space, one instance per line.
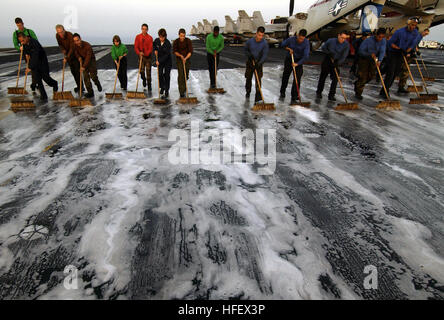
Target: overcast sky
98,20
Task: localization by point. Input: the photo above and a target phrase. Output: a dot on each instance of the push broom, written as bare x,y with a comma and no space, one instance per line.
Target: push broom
428,95
135,94
389,103
418,100
216,89
63,95
428,78
300,103
115,95
21,103
261,106
347,105
158,100
80,102
187,99
17,89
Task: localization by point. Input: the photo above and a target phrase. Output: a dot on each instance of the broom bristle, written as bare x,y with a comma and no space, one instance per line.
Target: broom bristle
135,95
393,104
80,103
412,88
114,96
264,107
16,90
216,90
189,100
429,96
302,104
419,101
23,104
160,101
65,95
429,79
347,106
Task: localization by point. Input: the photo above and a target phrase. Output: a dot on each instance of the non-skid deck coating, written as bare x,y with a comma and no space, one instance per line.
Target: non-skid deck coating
94,189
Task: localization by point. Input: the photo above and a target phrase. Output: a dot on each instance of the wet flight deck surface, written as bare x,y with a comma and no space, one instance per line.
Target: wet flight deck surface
93,190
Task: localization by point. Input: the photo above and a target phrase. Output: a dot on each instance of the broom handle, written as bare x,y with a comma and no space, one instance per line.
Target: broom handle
382,80
81,78
411,76
340,82
215,71
138,74
26,76
295,78
425,68
115,80
185,75
63,75
20,66
158,78
258,83
422,77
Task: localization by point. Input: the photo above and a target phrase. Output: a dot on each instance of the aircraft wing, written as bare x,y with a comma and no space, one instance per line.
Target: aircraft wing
325,12
439,14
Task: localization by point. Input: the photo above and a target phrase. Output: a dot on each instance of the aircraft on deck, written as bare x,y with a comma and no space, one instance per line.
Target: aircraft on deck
325,18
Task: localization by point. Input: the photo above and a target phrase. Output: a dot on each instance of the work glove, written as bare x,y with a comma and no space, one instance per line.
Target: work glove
331,56
336,63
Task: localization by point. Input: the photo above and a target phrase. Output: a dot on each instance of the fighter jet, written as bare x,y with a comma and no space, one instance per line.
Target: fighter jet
325,18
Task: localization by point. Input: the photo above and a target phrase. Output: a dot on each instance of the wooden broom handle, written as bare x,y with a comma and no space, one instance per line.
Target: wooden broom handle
138,74
26,76
115,80
185,75
340,82
20,66
382,80
215,70
422,77
411,76
258,82
295,78
158,77
63,74
81,78
425,68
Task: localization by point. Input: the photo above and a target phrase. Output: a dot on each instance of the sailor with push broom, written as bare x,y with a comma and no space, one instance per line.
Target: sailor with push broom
371,52
183,49
119,53
27,32
66,44
336,50
257,51
404,74
162,51
401,44
214,44
298,48
38,64
143,46
84,53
